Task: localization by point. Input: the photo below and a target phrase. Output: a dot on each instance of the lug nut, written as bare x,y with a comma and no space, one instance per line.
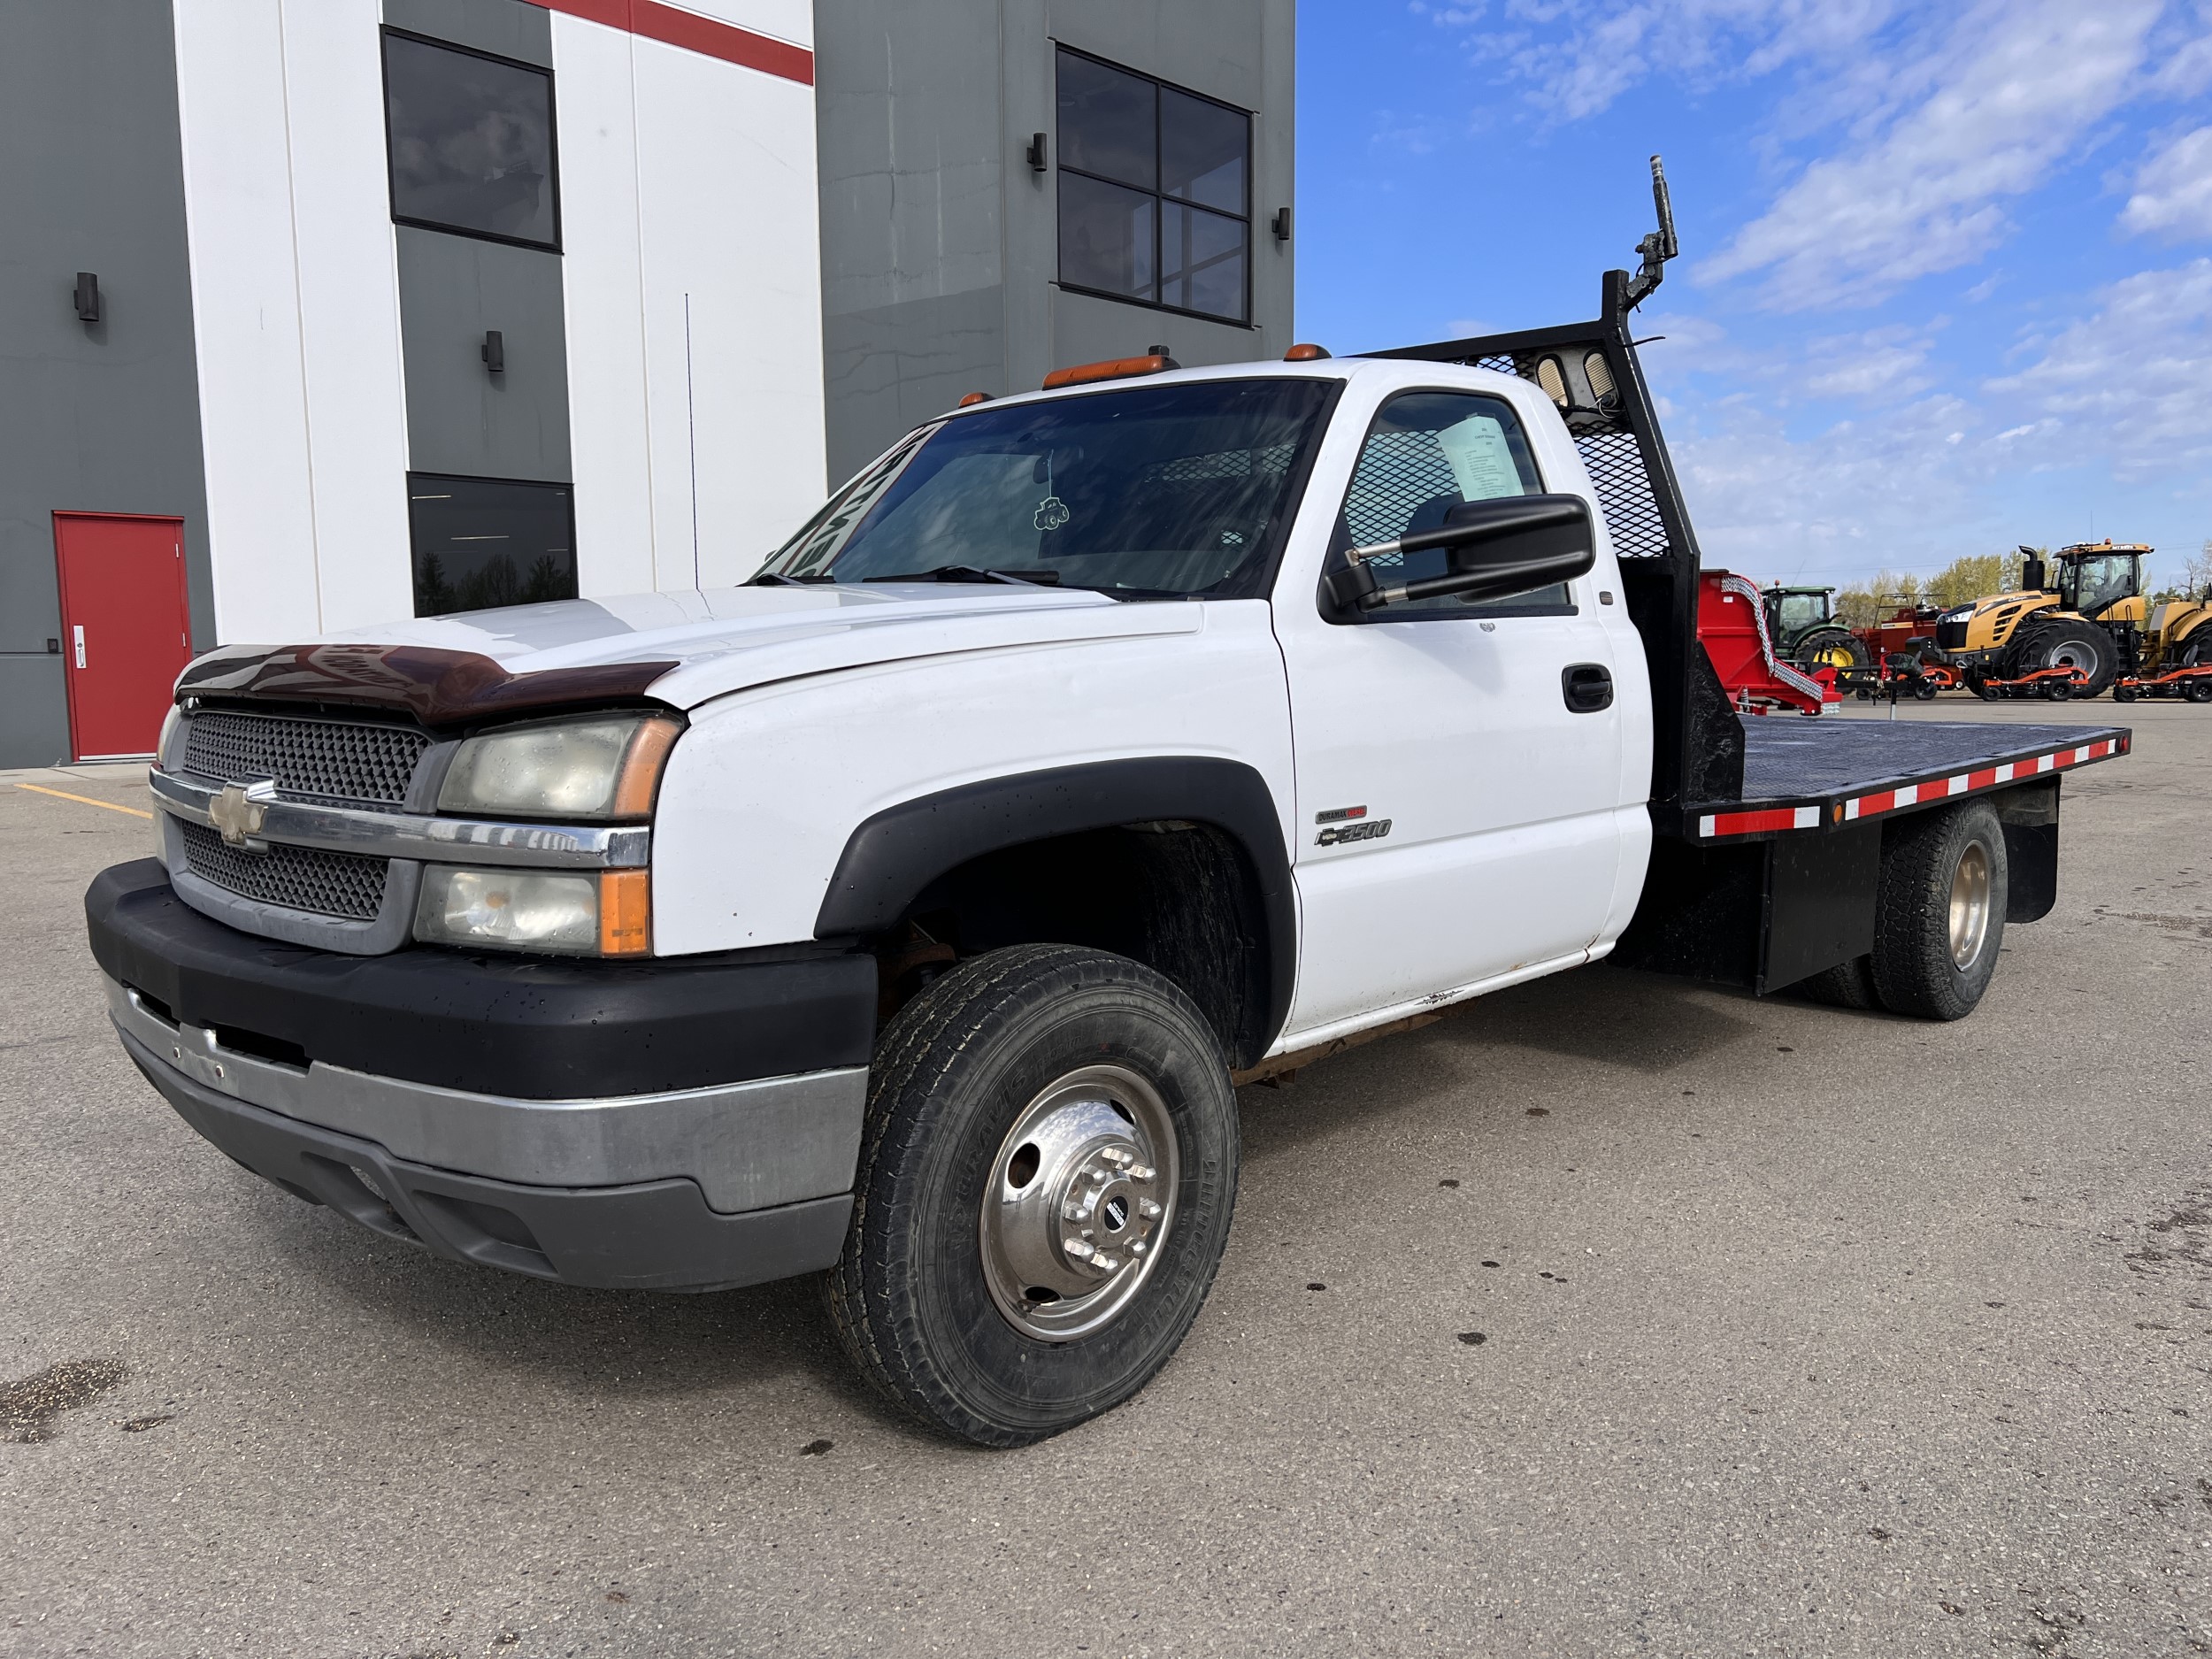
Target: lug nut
1080,1250
1149,1210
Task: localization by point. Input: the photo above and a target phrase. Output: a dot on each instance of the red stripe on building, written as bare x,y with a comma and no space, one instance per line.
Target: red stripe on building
672,25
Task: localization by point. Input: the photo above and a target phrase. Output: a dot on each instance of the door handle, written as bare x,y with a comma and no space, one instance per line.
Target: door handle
1587,687
79,631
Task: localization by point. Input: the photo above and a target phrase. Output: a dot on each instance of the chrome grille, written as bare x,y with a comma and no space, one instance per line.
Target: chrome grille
314,760
343,885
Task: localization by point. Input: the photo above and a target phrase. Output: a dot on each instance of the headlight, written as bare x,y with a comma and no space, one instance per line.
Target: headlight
603,768
561,912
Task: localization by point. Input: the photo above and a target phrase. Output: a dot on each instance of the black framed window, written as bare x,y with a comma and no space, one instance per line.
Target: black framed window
1155,191
1427,453
480,542
470,138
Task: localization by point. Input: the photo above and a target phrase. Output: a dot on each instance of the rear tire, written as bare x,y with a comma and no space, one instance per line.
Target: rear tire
1830,647
2064,643
1846,985
1939,919
955,1224
2199,691
1925,690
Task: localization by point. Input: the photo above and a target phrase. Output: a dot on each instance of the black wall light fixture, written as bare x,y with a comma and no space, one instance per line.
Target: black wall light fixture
87,298
1039,152
494,351
1282,224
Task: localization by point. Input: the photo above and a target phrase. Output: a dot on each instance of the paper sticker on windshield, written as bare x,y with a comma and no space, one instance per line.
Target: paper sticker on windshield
1481,458
1052,512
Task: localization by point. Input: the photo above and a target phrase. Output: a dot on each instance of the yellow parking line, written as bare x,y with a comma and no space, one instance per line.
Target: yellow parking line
63,795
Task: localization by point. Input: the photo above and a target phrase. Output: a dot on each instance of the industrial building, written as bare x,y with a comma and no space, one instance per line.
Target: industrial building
317,312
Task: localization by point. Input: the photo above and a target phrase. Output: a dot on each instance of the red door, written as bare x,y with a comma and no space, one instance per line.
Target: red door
126,633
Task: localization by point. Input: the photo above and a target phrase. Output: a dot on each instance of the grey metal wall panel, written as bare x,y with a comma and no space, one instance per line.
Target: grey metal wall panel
910,146
34,712
460,417
511,29
104,417
941,246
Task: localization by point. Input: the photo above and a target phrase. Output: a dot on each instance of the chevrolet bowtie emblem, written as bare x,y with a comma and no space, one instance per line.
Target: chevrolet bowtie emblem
239,810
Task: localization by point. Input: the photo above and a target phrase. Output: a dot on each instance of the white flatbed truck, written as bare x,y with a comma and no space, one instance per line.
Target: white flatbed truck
906,914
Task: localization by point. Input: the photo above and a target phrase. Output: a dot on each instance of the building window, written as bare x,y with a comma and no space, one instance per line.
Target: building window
485,542
471,140
1155,192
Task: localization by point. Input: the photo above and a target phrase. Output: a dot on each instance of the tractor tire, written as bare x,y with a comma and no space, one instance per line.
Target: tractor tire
2067,643
2200,690
1047,1172
1846,985
1939,917
1830,647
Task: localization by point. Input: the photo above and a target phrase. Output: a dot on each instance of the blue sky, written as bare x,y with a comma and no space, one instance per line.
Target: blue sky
1946,269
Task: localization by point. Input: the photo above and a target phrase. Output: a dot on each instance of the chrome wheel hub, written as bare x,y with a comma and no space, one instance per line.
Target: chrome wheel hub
1079,1198
1970,904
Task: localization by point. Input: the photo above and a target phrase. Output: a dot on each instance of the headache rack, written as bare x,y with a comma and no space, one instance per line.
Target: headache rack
1770,827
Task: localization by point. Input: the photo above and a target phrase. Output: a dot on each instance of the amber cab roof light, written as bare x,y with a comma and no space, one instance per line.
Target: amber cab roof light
1305,353
1110,369
973,398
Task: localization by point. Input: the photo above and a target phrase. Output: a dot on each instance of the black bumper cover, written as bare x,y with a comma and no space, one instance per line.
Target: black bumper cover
535,1028
656,1235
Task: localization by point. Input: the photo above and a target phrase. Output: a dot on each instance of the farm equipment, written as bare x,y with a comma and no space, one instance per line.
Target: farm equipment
2089,616
1805,631
1734,626
2194,683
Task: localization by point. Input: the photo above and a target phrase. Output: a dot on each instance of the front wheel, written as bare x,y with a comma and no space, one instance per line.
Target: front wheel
1940,921
1045,1185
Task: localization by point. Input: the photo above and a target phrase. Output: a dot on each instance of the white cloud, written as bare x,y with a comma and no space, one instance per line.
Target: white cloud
2014,91
2131,383
2172,198
1607,48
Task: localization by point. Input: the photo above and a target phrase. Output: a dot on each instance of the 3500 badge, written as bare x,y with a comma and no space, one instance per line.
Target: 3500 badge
1337,834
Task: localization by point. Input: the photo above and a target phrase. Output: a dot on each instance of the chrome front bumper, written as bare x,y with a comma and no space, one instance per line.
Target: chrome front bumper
749,1146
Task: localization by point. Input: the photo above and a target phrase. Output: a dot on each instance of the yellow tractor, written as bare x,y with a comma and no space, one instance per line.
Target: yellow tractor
2084,612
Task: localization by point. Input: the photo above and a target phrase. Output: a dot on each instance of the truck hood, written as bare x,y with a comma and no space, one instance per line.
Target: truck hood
681,649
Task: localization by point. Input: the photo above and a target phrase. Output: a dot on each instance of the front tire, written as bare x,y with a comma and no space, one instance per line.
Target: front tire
1940,921
1035,1111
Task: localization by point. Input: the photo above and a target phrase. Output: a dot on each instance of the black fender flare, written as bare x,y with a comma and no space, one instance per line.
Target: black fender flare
894,854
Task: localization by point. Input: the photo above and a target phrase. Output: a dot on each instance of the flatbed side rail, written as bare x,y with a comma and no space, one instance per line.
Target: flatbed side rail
1766,818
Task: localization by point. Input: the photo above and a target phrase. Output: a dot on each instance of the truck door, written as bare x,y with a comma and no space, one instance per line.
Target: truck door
1459,764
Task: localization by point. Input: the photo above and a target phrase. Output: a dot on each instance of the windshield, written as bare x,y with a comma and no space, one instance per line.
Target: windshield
2091,584
1803,611
1154,492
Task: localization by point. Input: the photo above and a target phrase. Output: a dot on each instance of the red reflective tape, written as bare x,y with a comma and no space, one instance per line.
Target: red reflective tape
1981,779
1780,818
672,25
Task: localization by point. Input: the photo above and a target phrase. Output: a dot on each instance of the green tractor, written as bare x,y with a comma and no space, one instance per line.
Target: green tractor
1804,629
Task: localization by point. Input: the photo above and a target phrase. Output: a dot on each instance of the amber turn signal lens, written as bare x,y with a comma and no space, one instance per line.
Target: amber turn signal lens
1109,369
1305,354
641,767
625,912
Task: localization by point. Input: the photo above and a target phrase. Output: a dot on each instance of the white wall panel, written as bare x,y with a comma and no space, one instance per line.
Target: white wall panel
349,286
790,21
612,459
732,268
246,319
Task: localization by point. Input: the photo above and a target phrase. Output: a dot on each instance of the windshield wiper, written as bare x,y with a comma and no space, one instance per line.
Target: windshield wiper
776,579
970,573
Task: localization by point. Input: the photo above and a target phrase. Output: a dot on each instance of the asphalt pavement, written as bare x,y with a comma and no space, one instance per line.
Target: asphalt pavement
1609,1316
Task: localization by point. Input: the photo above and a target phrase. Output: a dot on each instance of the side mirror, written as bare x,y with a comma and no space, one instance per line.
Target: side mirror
1514,544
